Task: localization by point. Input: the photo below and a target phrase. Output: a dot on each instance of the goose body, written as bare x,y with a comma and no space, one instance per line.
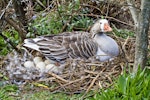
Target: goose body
77,44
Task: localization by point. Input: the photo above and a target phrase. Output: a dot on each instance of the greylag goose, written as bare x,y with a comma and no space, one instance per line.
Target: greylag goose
77,44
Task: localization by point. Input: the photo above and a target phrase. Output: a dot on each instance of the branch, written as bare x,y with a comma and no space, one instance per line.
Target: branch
98,16
58,77
134,12
19,9
14,24
40,3
5,9
92,83
21,18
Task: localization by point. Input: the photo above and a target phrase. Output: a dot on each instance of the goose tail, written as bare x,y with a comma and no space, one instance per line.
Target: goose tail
32,43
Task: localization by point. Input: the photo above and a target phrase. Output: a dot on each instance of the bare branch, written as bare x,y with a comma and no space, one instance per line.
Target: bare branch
134,12
14,24
40,3
5,9
19,9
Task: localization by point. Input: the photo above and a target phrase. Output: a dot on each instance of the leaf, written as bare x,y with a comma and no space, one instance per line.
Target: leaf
41,85
122,84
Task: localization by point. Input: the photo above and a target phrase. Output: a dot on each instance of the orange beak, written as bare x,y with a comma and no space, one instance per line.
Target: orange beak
107,28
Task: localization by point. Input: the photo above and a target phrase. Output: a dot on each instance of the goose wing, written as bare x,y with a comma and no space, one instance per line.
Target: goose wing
65,45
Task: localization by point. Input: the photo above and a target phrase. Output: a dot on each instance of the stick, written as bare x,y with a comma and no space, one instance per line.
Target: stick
98,16
93,81
71,82
5,9
58,77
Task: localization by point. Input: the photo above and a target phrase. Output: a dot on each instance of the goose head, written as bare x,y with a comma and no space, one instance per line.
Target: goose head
101,26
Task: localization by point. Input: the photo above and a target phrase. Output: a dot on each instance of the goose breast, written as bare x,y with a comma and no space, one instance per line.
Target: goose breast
107,47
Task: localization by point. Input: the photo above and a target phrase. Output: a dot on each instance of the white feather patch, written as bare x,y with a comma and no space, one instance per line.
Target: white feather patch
37,39
31,45
102,56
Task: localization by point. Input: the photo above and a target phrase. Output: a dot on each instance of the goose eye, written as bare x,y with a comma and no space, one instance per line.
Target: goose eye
100,23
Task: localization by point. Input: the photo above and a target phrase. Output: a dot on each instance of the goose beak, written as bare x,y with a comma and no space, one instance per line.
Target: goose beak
107,28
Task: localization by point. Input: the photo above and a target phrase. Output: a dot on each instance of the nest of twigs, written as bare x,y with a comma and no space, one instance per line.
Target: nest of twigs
80,75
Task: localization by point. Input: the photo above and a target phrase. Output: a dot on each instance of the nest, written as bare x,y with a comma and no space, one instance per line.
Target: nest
78,76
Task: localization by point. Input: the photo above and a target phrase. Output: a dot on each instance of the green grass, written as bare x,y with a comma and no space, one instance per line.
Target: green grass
46,95
126,87
12,36
8,92
124,33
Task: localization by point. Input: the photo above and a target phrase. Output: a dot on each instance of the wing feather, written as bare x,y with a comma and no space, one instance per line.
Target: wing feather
65,45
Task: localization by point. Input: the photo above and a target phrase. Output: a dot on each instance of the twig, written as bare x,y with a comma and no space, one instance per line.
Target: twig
90,72
20,14
58,77
98,16
5,9
120,21
93,64
92,7
107,10
71,82
110,80
134,12
46,79
77,80
41,4
17,28
92,83
3,36
124,48
122,67
65,26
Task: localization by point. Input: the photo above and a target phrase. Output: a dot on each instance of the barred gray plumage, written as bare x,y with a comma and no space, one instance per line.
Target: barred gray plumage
77,44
